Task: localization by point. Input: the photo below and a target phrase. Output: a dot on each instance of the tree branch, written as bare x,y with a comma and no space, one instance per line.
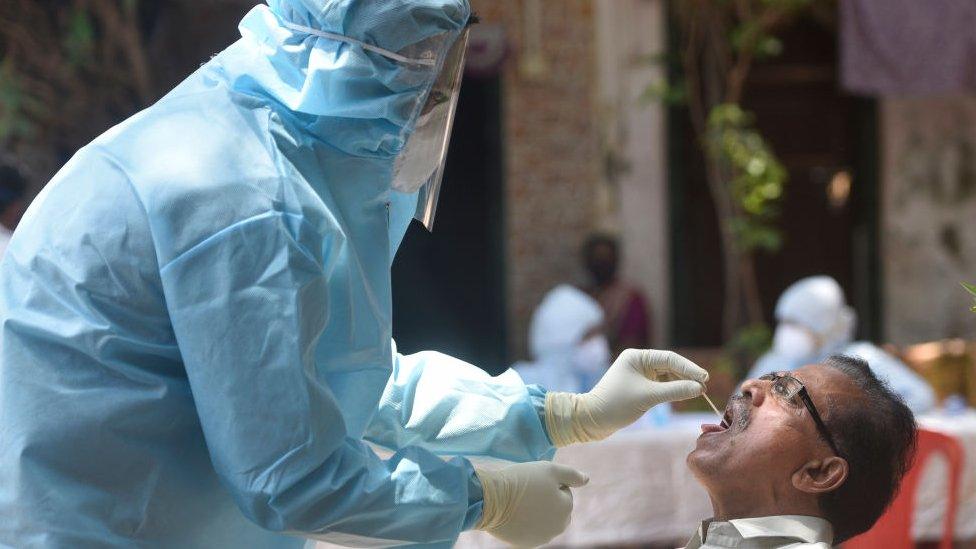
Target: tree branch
769,19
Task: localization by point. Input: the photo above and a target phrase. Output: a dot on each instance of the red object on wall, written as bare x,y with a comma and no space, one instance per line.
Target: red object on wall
894,529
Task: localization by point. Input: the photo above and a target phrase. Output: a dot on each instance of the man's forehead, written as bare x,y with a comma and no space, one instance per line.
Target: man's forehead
824,383
821,374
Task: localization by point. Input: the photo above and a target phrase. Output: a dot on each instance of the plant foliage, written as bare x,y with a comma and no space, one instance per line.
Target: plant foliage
971,288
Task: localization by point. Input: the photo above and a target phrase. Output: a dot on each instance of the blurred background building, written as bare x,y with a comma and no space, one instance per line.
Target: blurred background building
564,129
724,148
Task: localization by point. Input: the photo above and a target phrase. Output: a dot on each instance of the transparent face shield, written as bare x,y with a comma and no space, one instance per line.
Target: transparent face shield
420,165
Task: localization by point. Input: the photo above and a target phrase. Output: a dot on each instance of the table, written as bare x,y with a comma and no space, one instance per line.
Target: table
641,492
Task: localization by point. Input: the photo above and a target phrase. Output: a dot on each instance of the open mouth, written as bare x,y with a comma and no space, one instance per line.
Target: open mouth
722,426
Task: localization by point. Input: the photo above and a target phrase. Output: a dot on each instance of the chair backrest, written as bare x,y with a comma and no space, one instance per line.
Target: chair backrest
894,529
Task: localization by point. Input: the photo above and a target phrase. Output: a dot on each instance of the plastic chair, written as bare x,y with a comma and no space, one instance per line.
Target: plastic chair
894,529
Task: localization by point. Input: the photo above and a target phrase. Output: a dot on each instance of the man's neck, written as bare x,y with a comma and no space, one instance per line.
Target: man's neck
745,505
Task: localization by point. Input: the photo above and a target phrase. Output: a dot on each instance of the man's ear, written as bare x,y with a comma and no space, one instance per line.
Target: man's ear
820,476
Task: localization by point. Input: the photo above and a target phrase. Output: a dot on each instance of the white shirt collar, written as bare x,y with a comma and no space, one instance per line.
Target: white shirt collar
801,528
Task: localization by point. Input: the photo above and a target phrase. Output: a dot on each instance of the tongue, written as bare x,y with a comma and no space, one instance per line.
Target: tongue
711,428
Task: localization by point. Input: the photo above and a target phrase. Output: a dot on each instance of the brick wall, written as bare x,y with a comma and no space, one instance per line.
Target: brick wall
552,151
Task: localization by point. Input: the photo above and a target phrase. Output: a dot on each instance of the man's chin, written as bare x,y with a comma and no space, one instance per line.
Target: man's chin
711,449
701,458
701,464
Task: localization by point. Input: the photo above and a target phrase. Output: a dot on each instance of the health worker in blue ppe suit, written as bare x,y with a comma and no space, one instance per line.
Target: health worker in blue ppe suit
815,322
196,344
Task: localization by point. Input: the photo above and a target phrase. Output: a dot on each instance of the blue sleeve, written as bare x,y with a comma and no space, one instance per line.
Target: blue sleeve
248,306
451,407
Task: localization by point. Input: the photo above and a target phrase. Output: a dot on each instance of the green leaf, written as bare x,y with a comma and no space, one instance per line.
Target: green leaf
745,35
757,180
750,342
756,166
768,46
664,92
14,122
79,38
971,288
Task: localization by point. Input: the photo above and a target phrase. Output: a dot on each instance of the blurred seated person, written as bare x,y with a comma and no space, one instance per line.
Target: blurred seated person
566,340
13,186
811,458
627,312
815,322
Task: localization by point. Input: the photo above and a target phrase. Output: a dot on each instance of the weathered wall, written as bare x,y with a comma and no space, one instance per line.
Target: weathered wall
552,151
928,217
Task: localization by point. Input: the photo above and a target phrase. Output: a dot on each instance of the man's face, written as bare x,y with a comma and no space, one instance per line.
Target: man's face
769,437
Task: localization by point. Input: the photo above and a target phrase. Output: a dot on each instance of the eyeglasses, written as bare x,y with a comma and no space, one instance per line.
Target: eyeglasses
792,391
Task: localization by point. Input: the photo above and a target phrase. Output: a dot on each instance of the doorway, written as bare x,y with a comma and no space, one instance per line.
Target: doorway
448,286
827,140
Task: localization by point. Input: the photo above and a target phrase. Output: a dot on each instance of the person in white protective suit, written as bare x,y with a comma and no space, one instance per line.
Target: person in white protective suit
196,316
814,322
569,349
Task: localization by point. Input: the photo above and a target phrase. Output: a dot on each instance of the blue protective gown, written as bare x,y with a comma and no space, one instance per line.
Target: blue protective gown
196,312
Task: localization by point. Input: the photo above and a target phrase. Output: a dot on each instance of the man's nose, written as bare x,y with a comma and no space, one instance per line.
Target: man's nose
755,389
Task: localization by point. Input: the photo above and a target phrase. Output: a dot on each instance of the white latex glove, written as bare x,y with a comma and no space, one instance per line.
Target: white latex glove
528,504
632,385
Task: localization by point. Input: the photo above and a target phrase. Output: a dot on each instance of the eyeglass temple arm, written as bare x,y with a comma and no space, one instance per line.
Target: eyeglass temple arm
821,426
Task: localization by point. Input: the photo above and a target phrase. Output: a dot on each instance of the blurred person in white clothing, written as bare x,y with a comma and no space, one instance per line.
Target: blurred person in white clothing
569,349
814,322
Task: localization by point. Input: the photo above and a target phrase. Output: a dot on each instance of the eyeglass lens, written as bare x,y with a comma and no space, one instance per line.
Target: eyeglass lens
785,387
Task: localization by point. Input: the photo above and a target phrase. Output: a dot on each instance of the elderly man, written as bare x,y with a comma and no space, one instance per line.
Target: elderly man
808,458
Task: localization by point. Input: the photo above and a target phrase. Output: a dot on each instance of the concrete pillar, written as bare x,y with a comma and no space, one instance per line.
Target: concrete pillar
634,195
